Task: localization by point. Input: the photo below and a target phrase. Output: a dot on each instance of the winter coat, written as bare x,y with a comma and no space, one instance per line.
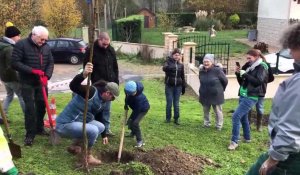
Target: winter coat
7,73
253,81
174,73
213,82
138,103
73,112
105,64
27,56
284,120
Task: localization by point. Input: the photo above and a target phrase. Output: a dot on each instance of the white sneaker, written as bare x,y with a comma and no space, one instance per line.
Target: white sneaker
232,146
139,144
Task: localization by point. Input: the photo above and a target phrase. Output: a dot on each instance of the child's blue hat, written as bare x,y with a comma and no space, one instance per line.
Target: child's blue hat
130,87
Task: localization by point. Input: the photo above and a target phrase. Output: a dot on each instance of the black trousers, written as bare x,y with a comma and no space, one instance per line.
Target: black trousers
34,109
134,126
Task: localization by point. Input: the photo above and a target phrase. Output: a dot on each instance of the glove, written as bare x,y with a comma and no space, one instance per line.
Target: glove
126,107
37,72
44,80
242,72
183,90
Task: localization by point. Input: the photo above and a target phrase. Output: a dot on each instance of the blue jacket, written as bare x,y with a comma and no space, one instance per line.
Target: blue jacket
138,103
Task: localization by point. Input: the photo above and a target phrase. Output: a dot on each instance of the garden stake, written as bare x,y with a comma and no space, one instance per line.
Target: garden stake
122,136
91,45
54,138
15,149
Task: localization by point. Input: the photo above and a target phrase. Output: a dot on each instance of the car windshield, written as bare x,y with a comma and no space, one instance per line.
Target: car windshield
285,53
82,43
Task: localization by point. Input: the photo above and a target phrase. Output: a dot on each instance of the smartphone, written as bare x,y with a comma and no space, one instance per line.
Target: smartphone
237,64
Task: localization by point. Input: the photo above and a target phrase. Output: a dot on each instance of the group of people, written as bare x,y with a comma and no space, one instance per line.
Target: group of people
27,65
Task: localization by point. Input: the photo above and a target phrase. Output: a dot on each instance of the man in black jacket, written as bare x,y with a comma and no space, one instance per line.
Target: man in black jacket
33,60
8,75
105,68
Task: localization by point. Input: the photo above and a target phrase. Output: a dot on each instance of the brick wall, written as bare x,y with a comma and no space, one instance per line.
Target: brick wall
270,30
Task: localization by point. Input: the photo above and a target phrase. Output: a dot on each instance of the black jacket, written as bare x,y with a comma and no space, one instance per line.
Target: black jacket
138,103
7,73
213,83
174,73
254,81
27,56
105,64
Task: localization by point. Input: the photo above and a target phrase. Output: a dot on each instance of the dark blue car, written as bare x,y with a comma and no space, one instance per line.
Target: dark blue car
68,50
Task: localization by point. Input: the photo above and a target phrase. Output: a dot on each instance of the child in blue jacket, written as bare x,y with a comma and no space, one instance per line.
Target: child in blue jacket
139,104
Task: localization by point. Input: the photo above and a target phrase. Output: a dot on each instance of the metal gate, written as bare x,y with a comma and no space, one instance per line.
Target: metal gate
199,39
221,51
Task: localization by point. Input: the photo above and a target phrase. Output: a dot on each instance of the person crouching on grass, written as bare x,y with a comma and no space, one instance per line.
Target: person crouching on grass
69,121
139,104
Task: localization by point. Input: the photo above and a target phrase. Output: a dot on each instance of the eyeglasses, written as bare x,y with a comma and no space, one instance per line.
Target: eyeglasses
42,39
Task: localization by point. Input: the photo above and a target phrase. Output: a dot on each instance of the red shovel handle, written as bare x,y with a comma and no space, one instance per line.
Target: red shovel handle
46,103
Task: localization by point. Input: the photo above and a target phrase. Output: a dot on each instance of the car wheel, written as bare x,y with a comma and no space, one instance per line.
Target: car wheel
74,59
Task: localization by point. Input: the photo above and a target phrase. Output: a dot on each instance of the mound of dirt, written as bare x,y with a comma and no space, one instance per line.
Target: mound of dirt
172,161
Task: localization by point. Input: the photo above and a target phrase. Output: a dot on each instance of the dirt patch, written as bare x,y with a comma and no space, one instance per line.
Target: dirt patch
165,161
170,160
253,118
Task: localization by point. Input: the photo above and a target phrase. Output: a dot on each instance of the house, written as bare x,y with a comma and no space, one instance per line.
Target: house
149,18
273,18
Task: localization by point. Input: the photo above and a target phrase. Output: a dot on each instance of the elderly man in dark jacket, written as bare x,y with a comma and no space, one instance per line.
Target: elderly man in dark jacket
7,74
33,60
105,68
213,82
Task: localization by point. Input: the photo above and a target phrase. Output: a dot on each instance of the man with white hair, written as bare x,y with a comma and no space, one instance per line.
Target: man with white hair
33,60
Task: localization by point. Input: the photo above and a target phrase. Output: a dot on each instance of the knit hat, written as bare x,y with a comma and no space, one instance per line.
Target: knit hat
113,88
12,31
130,87
209,57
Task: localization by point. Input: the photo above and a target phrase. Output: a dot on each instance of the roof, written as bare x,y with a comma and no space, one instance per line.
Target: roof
145,9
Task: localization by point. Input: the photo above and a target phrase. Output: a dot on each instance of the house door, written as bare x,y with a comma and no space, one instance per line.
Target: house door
146,21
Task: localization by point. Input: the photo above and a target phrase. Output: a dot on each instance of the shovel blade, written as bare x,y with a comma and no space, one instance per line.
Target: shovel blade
15,150
54,138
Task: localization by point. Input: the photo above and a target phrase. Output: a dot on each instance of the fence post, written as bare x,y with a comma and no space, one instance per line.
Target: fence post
166,44
172,39
188,54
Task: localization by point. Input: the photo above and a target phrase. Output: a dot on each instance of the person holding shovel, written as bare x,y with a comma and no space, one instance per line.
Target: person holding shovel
69,121
6,164
32,58
139,104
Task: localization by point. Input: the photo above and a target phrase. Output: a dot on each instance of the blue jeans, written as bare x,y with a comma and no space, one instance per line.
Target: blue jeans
74,130
260,105
11,89
172,96
240,115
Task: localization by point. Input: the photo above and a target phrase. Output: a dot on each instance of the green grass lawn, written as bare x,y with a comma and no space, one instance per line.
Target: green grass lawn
155,36
190,137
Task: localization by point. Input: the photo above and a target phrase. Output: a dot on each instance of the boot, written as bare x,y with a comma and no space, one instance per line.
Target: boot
258,122
75,147
91,159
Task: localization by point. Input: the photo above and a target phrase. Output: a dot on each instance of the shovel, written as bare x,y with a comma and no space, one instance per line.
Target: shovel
122,136
54,138
15,149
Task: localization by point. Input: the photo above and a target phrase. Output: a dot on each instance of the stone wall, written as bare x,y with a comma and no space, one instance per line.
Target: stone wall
270,30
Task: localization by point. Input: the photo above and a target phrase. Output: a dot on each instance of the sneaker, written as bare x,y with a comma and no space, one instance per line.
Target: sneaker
110,134
167,121
232,146
247,141
139,144
28,141
176,122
